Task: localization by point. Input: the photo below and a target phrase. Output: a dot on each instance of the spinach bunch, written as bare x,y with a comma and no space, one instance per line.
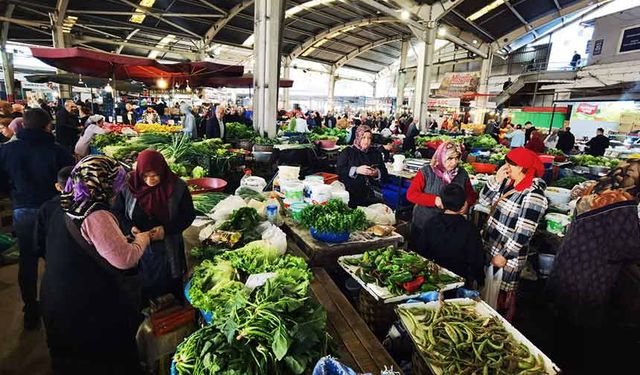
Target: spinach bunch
334,217
244,220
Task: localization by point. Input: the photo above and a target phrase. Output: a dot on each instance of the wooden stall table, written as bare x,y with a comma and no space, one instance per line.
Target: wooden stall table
357,346
320,254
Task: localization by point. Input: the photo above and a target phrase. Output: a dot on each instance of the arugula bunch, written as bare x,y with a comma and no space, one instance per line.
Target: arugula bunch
334,217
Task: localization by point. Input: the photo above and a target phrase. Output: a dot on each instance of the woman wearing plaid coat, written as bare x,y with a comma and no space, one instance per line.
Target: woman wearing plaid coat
516,197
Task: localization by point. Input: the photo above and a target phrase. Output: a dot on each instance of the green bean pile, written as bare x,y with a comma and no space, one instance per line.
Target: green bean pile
459,341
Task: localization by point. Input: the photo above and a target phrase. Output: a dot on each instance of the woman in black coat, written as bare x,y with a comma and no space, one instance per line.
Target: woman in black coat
361,168
158,201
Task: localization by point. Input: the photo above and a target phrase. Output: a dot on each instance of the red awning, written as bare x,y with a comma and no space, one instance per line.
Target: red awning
239,82
109,65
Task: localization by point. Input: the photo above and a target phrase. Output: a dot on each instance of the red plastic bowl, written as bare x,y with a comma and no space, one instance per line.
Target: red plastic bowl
484,167
546,159
207,185
327,143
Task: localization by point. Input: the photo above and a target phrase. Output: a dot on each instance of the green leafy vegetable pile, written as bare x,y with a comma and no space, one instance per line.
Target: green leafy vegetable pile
274,329
485,142
205,202
248,193
334,217
399,271
266,141
554,152
340,135
110,139
594,161
244,220
455,338
569,182
237,130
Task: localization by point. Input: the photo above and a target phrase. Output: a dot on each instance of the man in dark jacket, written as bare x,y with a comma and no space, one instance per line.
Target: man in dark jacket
28,169
598,144
67,125
330,120
566,141
215,123
409,143
529,128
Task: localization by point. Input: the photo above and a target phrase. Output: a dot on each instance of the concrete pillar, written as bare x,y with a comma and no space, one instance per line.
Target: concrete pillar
7,67
483,88
286,74
268,17
423,75
332,89
402,74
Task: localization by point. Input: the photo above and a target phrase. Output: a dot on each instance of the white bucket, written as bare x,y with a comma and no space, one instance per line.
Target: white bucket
288,173
320,194
398,162
340,194
310,181
293,190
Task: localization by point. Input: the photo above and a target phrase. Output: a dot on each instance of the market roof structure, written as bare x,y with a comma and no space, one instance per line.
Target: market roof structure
358,34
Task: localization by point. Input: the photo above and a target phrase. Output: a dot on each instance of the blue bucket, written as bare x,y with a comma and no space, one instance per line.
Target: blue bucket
206,315
330,237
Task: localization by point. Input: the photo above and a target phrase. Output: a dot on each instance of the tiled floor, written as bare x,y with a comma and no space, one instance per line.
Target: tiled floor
21,352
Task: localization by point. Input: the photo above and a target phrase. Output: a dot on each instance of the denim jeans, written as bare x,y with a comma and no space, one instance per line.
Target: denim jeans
24,223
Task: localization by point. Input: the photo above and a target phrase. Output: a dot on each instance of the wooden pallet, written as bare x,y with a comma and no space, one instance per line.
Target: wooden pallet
357,346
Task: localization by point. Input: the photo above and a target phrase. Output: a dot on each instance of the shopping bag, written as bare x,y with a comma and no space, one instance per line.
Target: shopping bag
491,288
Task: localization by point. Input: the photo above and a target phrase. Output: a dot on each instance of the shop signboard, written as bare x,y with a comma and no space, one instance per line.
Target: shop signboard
597,47
630,39
587,109
443,102
457,85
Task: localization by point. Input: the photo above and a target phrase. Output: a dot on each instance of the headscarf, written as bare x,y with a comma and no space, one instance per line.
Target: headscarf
154,200
93,182
440,157
529,161
360,131
94,119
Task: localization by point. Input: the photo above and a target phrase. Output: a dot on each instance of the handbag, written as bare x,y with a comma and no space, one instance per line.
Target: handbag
129,281
491,287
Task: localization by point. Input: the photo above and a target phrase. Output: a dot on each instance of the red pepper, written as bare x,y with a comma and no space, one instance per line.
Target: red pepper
412,286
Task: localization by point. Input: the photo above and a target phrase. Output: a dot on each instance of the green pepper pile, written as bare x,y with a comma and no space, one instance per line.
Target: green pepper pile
459,341
399,271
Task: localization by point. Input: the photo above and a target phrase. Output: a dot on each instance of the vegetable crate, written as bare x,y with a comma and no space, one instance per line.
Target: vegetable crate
383,294
379,316
483,310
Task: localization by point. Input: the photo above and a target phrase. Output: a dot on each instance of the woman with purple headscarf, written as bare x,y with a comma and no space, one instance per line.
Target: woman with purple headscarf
426,187
361,169
88,290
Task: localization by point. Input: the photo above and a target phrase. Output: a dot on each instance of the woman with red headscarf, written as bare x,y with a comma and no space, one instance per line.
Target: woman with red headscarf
361,168
426,186
516,197
156,200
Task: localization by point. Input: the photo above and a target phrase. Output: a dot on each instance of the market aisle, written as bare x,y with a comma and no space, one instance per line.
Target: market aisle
21,352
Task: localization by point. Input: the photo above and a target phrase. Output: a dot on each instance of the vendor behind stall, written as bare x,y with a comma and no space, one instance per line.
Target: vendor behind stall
361,169
517,200
428,183
156,200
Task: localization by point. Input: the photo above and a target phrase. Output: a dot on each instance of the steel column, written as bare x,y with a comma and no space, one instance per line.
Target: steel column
423,76
402,74
266,51
7,67
481,101
332,88
286,74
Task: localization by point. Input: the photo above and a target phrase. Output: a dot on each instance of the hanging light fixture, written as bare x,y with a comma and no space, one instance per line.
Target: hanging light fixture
80,79
188,88
162,83
108,88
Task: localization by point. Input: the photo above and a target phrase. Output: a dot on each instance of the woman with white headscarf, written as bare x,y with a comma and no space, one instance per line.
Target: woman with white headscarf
188,121
94,126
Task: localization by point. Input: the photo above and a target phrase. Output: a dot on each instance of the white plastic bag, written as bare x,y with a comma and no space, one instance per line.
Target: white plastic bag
273,236
254,183
380,214
337,186
491,287
225,207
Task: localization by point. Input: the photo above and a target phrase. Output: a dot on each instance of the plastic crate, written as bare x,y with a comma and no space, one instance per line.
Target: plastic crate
329,178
